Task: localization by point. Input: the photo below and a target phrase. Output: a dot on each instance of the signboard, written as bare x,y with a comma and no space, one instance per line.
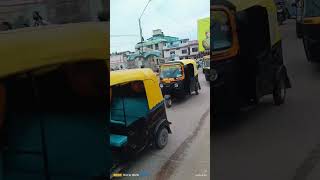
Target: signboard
204,34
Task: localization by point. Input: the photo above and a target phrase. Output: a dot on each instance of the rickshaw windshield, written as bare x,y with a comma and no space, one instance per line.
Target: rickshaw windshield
220,26
311,8
171,71
129,103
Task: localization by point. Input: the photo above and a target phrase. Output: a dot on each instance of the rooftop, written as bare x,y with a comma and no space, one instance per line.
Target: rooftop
145,55
157,38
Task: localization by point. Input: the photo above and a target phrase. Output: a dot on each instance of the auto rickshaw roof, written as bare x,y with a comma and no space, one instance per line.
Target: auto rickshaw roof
188,61
129,75
30,48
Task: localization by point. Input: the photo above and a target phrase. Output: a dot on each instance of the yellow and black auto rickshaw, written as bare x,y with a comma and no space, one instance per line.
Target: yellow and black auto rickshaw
52,102
138,116
206,67
246,57
310,29
178,79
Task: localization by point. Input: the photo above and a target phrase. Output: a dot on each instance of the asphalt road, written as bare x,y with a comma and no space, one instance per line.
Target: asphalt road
187,154
275,142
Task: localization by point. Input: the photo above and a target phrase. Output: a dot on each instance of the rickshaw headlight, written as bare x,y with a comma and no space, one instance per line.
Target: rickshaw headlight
161,85
176,85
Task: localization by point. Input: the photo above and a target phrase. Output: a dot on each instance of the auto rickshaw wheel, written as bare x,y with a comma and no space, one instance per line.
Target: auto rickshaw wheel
168,103
161,139
197,88
279,92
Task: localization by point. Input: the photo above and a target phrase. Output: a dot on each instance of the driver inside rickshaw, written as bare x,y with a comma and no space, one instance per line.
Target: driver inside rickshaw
86,81
171,71
137,87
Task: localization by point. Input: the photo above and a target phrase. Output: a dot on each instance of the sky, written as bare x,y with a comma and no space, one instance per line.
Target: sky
175,18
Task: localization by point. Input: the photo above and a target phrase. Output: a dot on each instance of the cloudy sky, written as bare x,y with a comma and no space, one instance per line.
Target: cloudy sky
175,18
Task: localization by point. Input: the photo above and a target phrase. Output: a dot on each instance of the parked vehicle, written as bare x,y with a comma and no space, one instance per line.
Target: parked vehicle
206,67
281,15
249,27
178,79
310,28
282,10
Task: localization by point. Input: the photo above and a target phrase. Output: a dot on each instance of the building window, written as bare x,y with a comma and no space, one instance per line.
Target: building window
184,51
195,49
172,52
149,46
156,46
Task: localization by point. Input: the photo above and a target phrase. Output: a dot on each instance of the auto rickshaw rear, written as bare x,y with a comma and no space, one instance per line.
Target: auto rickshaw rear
310,30
138,116
246,57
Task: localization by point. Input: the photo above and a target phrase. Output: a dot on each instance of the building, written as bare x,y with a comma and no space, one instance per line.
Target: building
149,59
150,52
119,60
19,12
182,49
156,43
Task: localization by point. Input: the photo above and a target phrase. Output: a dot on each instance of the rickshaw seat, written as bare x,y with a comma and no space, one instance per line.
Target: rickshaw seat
75,150
23,159
118,140
135,108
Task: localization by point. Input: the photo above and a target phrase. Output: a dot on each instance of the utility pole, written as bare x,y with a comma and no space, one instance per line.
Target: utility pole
141,38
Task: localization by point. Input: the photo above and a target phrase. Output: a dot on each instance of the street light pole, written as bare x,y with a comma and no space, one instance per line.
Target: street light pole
141,38
140,28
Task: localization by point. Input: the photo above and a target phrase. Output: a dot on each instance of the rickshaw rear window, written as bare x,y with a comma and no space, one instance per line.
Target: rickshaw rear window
220,26
171,71
312,8
128,103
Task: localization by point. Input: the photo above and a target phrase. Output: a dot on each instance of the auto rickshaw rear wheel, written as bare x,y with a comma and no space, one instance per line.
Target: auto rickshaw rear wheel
168,102
161,139
197,91
197,88
279,92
